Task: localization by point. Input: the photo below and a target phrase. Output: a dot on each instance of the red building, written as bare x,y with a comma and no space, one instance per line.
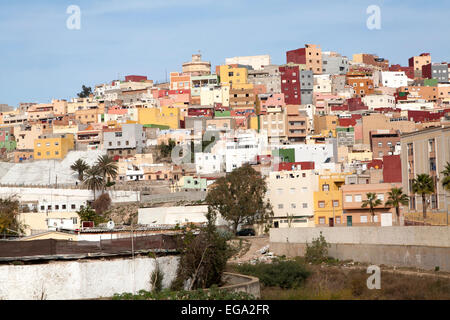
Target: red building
290,84
297,56
409,71
133,78
289,166
355,104
392,169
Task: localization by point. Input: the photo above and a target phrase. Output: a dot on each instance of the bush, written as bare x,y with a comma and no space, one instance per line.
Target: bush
317,252
156,279
285,274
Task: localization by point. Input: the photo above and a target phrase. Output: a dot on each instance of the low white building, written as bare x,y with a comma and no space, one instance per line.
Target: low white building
209,163
394,79
373,101
256,62
175,215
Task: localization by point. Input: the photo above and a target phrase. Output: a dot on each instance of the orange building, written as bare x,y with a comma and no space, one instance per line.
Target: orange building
361,84
180,81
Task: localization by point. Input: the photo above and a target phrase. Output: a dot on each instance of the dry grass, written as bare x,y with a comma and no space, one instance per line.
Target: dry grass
332,283
433,218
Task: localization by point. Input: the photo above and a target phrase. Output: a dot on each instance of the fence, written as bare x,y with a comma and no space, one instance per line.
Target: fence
52,247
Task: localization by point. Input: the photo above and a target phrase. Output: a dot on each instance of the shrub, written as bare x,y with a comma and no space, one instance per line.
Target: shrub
317,252
156,279
285,274
213,294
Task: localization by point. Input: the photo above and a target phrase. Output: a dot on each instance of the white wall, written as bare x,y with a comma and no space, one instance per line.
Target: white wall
88,279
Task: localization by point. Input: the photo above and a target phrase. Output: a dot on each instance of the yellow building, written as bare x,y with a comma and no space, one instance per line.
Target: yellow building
53,146
328,200
162,116
232,75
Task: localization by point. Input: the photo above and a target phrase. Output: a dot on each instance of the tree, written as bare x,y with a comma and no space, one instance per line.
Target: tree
85,92
396,197
79,166
88,214
93,179
371,202
446,179
108,168
239,197
102,204
203,257
166,149
423,185
9,211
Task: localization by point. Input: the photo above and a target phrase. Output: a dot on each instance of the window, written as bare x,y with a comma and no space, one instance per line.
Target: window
380,144
380,196
305,205
363,219
73,206
127,143
304,189
48,144
118,134
74,220
56,143
321,204
321,220
375,218
279,190
348,198
64,207
56,207
292,190
325,187
357,198
335,203
293,206
280,206
338,220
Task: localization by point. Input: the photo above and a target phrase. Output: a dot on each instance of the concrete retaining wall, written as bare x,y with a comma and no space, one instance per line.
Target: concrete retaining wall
242,283
413,236
87,279
420,247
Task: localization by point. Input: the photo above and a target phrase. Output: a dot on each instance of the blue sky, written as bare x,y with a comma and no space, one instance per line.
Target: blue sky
41,59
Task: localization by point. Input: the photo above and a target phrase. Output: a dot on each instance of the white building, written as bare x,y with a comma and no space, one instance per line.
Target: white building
379,101
291,194
322,83
209,163
394,79
243,147
175,215
256,62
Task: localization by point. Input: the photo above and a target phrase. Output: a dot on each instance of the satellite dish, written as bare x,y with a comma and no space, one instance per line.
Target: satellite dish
110,225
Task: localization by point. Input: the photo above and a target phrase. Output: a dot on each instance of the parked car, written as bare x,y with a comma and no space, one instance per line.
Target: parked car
246,232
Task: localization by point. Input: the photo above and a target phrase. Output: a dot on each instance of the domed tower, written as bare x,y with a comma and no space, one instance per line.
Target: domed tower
197,67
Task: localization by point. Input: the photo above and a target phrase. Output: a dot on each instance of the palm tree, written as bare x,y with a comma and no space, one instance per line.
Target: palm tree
371,202
108,168
93,179
79,166
423,185
446,179
396,197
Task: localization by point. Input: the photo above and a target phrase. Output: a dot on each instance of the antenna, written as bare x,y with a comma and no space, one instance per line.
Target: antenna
110,225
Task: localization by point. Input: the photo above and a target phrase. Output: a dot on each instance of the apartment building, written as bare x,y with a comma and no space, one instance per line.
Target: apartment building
355,215
197,67
53,146
438,71
291,195
296,124
426,151
394,79
383,142
268,76
310,55
328,200
290,83
417,62
334,64
126,141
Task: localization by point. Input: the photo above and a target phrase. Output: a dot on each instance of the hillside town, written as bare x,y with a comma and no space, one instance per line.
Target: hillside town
335,138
